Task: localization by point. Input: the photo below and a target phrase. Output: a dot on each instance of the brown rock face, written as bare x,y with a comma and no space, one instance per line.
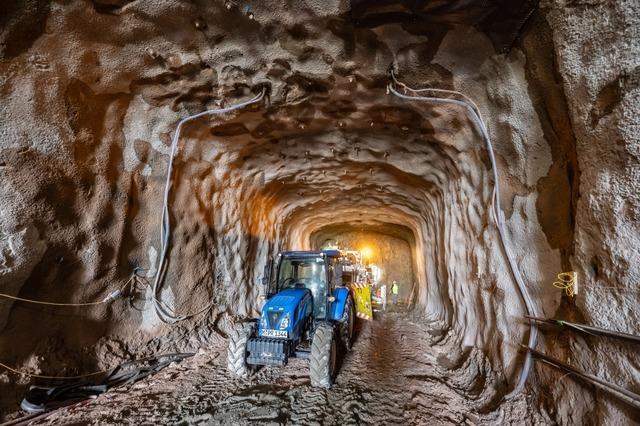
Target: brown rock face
91,93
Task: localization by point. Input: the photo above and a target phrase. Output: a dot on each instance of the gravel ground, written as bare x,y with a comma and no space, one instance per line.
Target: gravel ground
395,374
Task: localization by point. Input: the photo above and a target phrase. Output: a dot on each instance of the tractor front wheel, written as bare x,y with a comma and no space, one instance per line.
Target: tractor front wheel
237,350
322,363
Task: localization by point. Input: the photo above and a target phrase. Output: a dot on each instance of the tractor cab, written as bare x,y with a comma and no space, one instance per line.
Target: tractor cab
313,271
305,313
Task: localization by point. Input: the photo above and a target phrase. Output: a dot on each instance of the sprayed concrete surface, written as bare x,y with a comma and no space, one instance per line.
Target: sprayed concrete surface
91,92
396,374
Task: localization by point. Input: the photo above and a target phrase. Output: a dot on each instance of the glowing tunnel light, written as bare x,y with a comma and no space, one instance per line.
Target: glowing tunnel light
366,252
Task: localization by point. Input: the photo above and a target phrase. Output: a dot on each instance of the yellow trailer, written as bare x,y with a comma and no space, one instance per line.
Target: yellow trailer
362,296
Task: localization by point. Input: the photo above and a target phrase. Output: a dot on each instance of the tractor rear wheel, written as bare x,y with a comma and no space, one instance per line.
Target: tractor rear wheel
347,324
237,350
322,362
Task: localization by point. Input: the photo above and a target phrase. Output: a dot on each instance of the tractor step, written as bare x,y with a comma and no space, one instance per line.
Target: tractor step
303,354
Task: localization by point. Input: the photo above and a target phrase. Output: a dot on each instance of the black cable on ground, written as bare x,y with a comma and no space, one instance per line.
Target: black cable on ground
628,396
588,329
41,399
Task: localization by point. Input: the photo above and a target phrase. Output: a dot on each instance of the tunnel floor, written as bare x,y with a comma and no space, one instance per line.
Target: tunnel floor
394,375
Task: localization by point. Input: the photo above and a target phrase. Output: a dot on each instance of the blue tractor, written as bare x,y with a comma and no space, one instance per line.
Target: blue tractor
307,314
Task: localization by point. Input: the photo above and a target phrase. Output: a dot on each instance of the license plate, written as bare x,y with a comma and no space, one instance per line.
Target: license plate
274,333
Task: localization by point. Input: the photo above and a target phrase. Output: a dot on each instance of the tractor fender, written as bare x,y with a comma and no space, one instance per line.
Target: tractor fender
336,310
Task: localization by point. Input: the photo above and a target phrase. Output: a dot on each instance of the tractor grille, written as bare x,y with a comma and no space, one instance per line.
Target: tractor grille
274,318
265,351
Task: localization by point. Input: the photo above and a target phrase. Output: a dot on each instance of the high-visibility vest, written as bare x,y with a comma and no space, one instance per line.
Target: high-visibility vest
394,289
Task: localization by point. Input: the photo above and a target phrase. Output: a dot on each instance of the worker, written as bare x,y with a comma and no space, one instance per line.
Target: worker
394,292
383,296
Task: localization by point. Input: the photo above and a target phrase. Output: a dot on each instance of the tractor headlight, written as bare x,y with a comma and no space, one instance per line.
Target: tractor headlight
263,323
284,322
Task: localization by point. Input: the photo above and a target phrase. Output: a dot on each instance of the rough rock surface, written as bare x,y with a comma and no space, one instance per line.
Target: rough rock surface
91,94
597,45
388,378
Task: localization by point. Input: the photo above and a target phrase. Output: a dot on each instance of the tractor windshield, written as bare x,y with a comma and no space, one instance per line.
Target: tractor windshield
306,273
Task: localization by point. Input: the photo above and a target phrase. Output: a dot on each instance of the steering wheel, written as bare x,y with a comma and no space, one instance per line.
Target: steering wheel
301,283
287,281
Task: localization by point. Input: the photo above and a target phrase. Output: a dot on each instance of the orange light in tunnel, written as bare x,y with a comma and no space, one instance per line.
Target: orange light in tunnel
366,252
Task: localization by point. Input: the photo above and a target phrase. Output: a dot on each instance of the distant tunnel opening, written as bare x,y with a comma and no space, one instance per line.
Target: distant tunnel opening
388,249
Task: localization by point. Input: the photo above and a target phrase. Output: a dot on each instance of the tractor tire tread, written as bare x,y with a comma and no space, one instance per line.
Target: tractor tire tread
237,350
321,347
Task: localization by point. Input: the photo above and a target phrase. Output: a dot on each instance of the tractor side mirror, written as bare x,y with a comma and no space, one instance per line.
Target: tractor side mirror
264,290
266,279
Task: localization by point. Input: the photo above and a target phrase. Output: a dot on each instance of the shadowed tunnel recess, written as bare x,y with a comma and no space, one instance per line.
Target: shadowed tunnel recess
294,170
290,173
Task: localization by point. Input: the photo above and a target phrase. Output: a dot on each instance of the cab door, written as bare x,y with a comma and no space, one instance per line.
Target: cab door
338,293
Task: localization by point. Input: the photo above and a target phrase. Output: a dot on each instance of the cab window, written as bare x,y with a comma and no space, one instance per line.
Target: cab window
309,273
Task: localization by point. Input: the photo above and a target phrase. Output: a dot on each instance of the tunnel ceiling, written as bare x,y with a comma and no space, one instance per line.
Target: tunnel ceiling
93,91
501,20
368,224
330,137
342,152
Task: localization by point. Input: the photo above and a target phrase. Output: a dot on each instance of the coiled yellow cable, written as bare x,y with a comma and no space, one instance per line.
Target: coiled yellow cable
567,281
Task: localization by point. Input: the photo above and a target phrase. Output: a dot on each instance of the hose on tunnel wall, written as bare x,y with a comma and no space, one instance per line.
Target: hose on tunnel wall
498,216
167,314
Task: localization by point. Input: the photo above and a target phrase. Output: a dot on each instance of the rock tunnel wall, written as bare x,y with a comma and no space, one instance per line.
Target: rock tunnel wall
597,47
91,100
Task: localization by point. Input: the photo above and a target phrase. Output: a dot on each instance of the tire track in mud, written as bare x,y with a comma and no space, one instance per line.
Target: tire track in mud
391,376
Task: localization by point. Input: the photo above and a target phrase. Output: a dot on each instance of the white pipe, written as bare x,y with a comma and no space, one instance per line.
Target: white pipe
498,216
164,312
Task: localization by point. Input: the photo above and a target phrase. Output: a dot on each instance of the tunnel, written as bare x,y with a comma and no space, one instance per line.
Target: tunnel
158,158
388,248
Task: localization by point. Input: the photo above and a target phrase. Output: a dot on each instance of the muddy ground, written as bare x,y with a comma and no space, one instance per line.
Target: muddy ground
397,373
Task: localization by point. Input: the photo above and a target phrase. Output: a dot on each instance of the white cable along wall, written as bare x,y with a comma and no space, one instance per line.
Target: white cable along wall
166,313
474,113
